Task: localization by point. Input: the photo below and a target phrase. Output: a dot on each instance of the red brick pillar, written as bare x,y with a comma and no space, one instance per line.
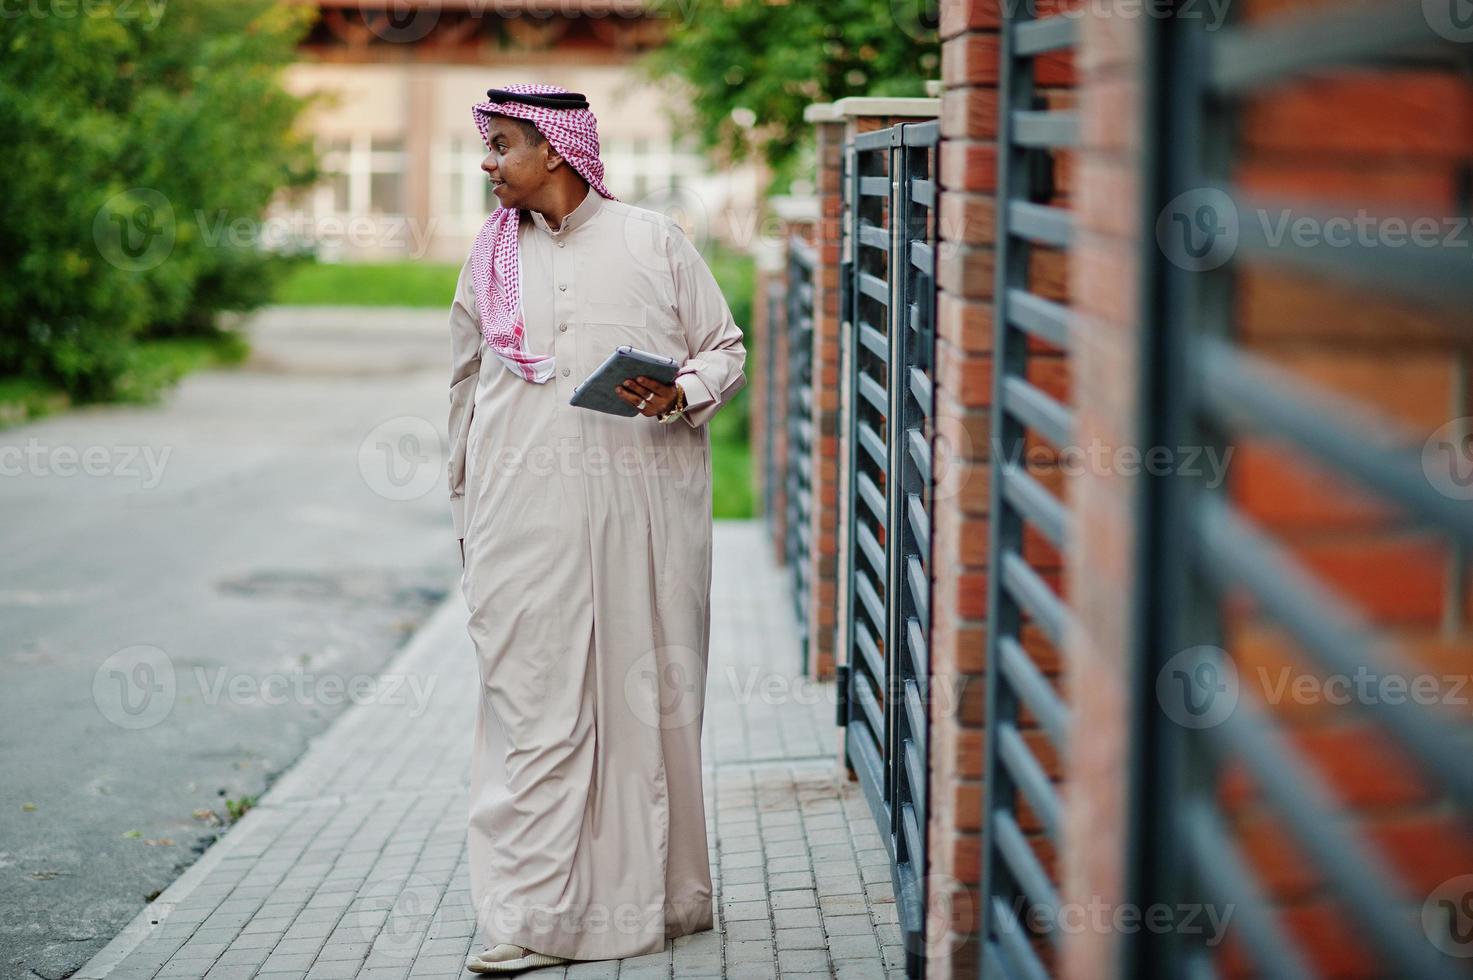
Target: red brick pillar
964,326
794,218
1103,273
828,233
767,285
775,375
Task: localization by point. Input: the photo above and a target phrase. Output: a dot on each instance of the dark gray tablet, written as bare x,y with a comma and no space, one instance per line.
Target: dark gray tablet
599,391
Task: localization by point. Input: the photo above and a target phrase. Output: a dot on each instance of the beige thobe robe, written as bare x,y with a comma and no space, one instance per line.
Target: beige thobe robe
587,544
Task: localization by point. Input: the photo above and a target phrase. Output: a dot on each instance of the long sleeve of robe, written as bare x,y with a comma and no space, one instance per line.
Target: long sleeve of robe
587,543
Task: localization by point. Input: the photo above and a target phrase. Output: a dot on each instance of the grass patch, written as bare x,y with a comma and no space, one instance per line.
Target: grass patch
731,460
157,365
22,400
731,457
239,808
422,284
731,476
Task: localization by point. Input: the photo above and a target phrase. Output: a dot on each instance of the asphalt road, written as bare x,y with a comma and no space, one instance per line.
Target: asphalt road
190,592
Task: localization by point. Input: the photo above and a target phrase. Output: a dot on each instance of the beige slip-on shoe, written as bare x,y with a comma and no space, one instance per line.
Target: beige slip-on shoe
509,958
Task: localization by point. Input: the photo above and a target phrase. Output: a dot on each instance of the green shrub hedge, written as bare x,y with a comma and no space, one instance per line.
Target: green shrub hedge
136,130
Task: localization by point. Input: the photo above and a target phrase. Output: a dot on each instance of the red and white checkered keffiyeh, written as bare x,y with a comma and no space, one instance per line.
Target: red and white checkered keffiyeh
495,268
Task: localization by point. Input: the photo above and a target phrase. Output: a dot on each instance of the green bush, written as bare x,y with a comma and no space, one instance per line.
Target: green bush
745,70
136,132
731,458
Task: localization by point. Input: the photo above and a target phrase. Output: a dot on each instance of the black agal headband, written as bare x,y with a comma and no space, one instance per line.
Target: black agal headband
554,100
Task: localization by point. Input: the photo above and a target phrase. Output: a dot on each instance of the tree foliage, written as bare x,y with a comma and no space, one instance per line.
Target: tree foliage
137,131
751,66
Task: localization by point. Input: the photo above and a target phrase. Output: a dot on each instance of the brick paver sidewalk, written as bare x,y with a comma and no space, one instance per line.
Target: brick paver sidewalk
354,863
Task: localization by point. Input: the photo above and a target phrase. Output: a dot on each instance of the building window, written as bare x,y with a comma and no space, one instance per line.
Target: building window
386,160
462,193
337,161
641,168
650,171
364,175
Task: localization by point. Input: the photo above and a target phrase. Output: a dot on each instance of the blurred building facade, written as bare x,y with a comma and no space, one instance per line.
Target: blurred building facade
393,122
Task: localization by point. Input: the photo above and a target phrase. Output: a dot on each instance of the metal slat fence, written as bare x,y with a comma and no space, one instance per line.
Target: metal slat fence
798,323
1204,547
773,469
1026,716
889,319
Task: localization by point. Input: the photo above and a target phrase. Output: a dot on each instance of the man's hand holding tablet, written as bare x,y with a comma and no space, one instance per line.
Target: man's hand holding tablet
631,382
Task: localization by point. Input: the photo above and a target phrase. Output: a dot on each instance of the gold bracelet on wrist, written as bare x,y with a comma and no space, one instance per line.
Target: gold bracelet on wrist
676,410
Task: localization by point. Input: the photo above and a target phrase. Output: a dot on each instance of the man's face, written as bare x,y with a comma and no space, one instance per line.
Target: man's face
517,167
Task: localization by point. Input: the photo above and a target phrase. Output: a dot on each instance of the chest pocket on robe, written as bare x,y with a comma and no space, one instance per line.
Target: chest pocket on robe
607,325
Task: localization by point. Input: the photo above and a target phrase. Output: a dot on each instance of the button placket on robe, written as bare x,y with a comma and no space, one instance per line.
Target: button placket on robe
559,264
562,307
563,303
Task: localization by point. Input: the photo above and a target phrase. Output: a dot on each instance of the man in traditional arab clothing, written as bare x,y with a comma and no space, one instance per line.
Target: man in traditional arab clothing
586,541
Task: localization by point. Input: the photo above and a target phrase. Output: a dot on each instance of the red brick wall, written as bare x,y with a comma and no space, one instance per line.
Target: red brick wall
968,160
828,518
1390,140
774,376
1102,274
970,48
1396,141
